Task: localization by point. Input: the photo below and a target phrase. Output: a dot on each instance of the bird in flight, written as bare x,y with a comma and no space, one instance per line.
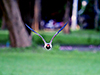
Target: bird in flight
48,46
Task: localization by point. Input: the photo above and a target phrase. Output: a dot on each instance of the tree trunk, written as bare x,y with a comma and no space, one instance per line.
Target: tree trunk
3,26
97,13
74,15
18,35
25,7
67,16
37,15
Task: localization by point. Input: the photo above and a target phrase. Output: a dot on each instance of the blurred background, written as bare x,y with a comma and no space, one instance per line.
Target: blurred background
43,15
76,50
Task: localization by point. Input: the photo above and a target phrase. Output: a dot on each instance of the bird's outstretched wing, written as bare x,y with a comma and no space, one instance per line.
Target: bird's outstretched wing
58,32
36,33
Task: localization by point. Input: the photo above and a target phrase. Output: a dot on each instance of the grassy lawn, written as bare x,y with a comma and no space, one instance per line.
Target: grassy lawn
37,61
82,37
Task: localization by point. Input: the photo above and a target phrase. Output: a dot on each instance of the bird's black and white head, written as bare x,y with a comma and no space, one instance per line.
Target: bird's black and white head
48,46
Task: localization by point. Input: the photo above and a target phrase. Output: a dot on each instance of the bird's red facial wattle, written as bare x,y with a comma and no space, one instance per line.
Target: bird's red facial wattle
48,45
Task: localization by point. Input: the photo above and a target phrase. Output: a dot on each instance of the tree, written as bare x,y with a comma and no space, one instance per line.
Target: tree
37,15
26,10
97,13
3,26
67,16
74,14
18,34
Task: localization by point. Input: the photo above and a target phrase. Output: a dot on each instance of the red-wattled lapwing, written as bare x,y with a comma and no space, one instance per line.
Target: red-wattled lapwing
48,46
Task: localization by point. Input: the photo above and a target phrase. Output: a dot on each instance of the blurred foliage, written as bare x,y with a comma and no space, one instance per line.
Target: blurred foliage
89,18
81,37
0,22
99,23
89,7
4,36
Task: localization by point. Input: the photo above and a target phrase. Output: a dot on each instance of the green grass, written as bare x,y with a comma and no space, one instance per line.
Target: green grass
4,36
81,37
37,61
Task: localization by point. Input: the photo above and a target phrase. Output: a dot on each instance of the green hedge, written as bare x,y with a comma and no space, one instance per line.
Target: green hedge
81,37
4,36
